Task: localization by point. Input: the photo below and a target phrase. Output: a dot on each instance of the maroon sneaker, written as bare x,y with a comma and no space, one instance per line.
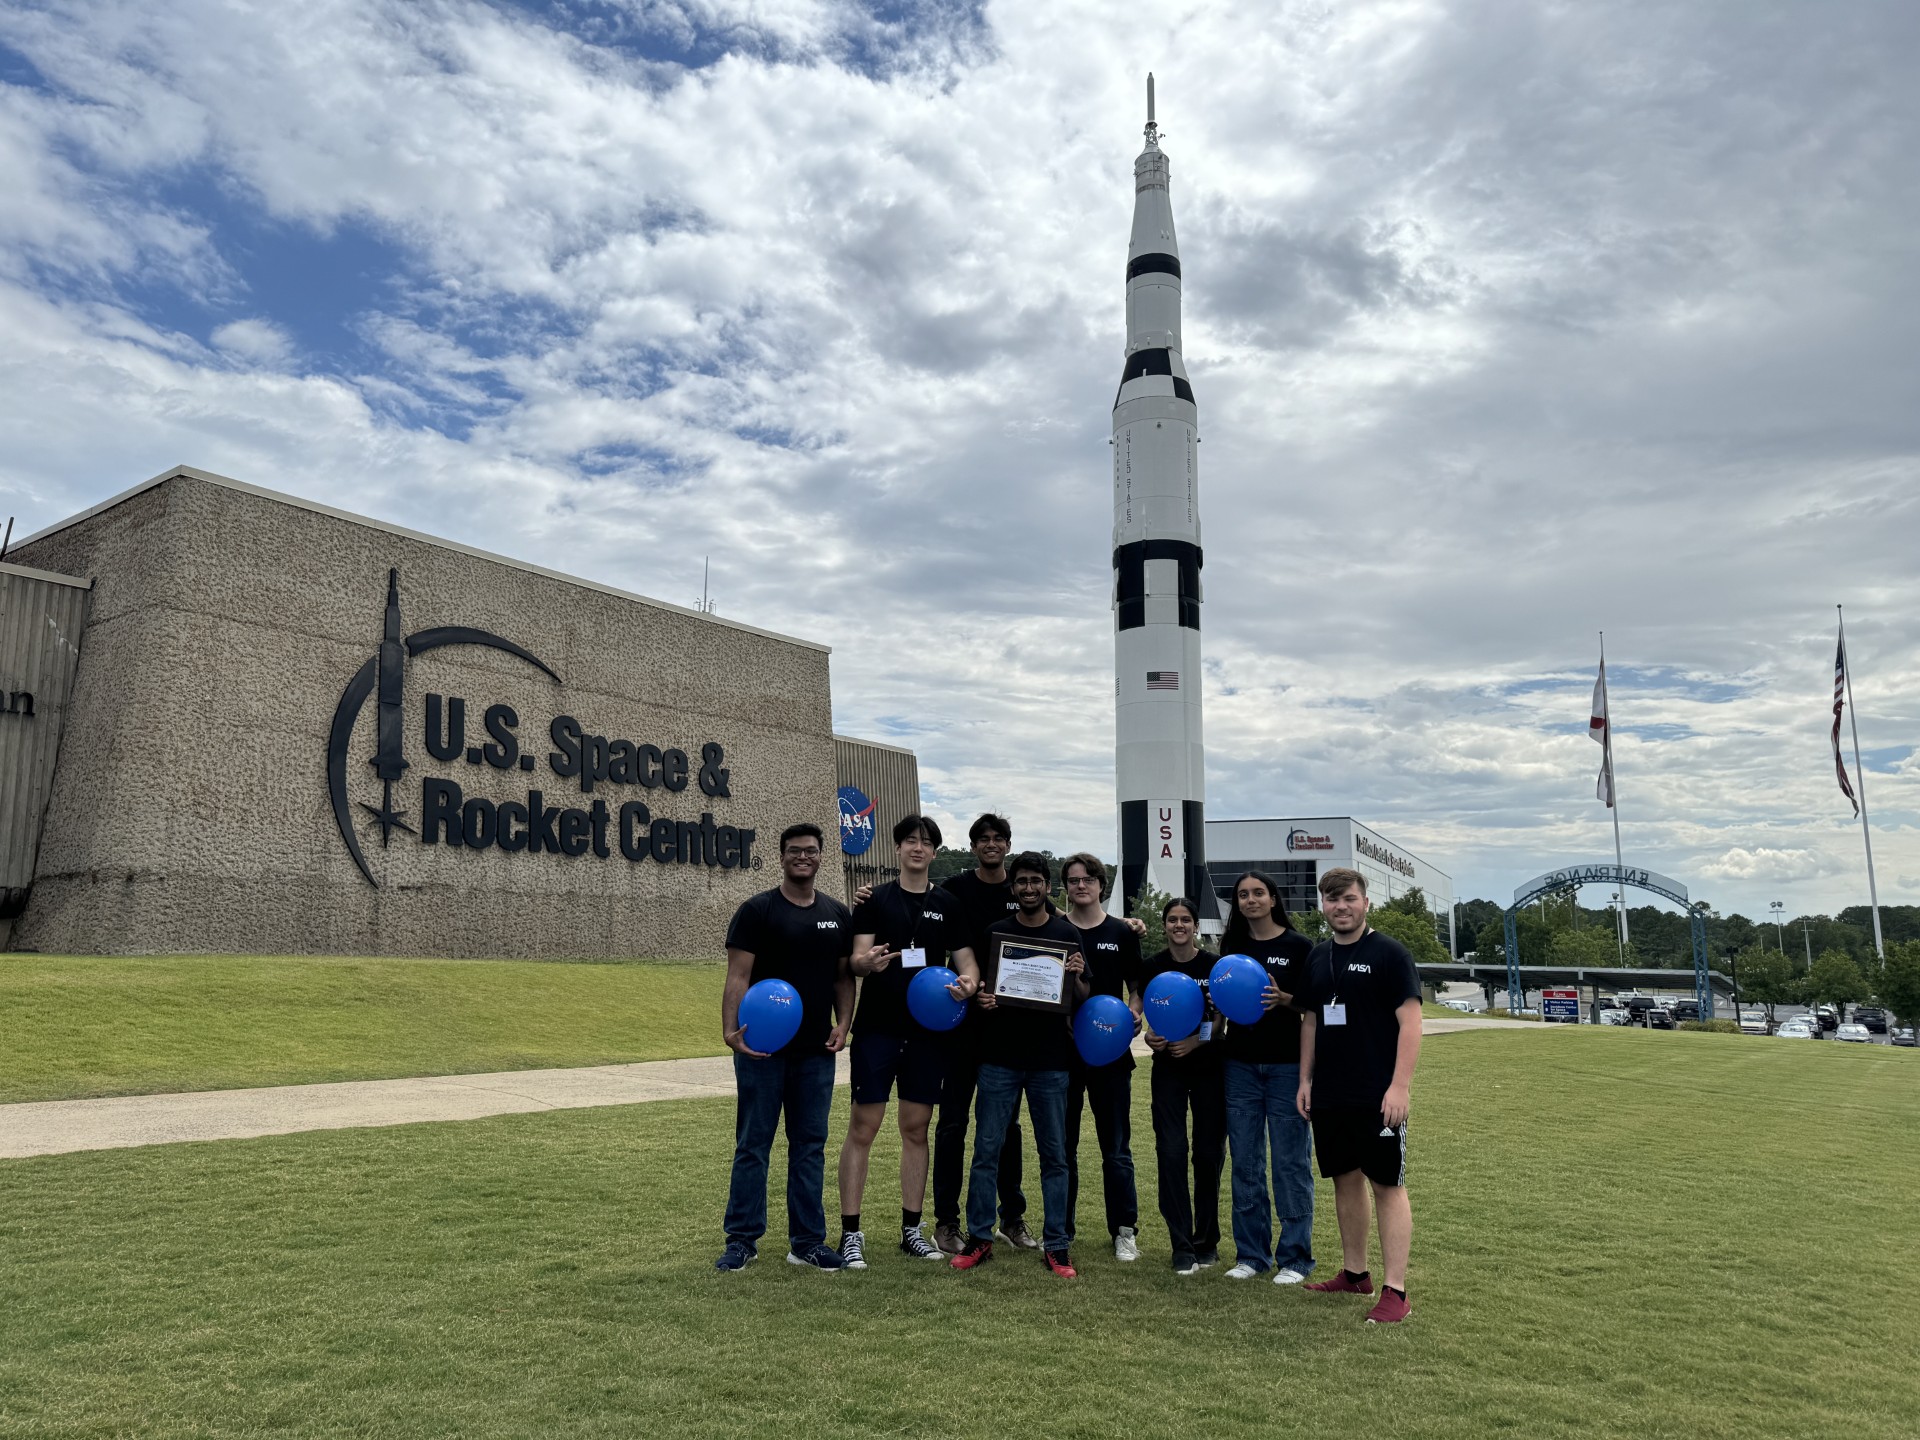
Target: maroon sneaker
1343,1284
1392,1309
1058,1263
975,1252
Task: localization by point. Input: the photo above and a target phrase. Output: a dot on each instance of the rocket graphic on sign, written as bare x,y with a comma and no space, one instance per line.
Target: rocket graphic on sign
1160,757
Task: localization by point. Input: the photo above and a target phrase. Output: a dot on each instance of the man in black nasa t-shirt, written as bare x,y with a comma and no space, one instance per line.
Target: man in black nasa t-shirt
900,930
1113,968
796,934
1359,1042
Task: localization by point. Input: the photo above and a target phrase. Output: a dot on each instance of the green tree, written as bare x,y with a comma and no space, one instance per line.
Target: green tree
1312,924
1898,985
1835,980
1589,947
1147,905
1475,916
1767,979
1413,931
1536,939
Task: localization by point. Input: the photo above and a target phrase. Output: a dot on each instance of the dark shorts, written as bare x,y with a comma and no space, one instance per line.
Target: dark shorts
1348,1140
917,1062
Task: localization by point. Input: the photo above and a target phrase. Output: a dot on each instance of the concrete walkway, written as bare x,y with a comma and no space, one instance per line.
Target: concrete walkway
57,1127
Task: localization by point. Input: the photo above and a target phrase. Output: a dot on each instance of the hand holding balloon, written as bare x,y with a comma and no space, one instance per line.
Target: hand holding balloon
769,1017
1238,985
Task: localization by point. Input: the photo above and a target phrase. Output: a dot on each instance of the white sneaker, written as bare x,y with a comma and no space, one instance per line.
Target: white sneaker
853,1250
1125,1247
1287,1276
1242,1271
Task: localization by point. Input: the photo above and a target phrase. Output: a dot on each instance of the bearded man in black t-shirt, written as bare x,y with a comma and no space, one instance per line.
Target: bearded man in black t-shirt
1359,1042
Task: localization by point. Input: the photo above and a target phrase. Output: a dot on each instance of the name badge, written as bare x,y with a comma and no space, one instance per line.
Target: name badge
1333,1014
1206,1031
913,959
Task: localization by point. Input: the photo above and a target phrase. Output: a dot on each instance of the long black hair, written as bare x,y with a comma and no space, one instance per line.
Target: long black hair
1239,934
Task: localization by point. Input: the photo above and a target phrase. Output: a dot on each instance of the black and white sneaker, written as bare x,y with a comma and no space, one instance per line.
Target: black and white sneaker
853,1250
913,1243
816,1256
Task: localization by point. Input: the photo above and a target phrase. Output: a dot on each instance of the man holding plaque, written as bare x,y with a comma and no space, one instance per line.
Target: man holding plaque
905,926
1033,978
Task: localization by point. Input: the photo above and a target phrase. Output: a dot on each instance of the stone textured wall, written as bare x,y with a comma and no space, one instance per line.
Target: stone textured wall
190,810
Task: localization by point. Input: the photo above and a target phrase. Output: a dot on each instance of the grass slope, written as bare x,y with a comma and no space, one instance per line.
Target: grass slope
77,1026
1617,1234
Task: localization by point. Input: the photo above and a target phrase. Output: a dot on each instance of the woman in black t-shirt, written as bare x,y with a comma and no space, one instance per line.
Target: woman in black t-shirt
1187,1076
1262,1062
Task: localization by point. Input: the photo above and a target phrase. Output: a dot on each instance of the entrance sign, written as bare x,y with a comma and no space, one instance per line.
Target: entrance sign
1563,1005
1622,876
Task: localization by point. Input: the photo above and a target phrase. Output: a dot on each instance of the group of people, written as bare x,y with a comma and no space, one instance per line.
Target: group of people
1327,1067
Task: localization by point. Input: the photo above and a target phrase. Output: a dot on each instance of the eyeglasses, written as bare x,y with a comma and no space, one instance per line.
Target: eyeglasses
798,853
1082,880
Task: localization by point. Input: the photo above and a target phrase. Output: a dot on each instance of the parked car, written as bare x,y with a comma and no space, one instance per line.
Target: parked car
1615,1017
1871,1016
1753,1022
1859,1034
1798,1028
1658,1019
1638,1005
1687,1010
1905,1037
1828,1017
1611,1002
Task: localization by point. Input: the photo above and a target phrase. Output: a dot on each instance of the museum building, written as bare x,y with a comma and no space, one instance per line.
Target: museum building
235,721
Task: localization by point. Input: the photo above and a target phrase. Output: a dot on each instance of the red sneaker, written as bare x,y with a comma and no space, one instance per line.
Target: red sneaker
1392,1309
1343,1284
1058,1263
975,1252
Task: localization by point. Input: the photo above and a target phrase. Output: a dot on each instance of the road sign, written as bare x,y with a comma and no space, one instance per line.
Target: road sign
1562,1005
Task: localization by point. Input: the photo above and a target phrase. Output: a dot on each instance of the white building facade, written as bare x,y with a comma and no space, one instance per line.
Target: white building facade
1297,852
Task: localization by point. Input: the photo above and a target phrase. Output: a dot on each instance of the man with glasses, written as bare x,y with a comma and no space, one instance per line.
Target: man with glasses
1112,949
796,934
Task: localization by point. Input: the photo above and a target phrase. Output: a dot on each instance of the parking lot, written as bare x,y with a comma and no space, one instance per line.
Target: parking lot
1471,1000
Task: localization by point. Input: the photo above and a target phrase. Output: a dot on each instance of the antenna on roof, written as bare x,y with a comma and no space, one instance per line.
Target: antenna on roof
706,567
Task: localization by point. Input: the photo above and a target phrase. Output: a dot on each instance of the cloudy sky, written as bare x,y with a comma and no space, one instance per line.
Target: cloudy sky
1509,323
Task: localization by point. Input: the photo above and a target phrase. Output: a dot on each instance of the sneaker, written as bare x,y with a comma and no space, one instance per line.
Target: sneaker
1125,1247
947,1236
1391,1310
973,1253
913,1243
1242,1271
1015,1232
1185,1265
737,1256
1058,1263
1287,1275
1344,1284
1207,1259
816,1257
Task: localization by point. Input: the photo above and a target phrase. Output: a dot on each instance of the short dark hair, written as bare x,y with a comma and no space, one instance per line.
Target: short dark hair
989,823
1033,861
1090,863
794,832
1333,881
1185,904
907,824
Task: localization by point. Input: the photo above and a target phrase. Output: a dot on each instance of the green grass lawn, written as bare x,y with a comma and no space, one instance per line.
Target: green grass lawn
1617,1233
73,1026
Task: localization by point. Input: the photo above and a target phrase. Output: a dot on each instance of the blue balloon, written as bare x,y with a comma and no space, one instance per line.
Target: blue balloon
1235,984
929,1002
1175,1005
770,1011
1103,1029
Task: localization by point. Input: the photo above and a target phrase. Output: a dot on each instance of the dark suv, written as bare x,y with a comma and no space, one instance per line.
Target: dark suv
1871,1016
1658,1019
1686,1010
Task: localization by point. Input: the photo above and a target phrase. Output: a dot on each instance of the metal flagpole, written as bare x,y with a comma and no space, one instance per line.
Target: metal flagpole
1613,795
1860,778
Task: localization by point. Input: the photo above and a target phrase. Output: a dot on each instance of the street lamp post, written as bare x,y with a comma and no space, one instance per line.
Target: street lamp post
1779,909
1808,937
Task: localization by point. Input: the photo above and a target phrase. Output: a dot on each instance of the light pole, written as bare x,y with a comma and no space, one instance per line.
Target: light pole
1808,937
1779,909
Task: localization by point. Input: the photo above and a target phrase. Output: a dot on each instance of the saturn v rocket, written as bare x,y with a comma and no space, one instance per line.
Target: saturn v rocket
1160,757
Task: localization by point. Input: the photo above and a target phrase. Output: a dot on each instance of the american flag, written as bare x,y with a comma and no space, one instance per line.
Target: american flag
1839,700
1163,679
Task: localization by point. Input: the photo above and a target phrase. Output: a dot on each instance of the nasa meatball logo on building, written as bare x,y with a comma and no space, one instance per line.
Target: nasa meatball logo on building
545,823
856,821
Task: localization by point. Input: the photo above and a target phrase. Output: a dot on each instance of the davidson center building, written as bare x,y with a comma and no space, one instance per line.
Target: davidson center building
233,721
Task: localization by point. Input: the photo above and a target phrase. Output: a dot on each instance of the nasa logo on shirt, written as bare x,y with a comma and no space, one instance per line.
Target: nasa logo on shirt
1359,969
1106,945
826,924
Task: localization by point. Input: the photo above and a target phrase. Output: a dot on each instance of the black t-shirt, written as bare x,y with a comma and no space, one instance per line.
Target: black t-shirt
1274,1039
982,905
1113,963
899,919
1021,1038
1199,968
1373,978
802,945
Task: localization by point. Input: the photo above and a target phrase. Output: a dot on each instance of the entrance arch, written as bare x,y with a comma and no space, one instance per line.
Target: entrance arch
1617,875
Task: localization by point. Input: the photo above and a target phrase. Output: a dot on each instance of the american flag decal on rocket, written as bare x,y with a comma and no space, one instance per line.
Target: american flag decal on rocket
1163,679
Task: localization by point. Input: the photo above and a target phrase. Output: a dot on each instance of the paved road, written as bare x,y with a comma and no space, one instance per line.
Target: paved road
57,1127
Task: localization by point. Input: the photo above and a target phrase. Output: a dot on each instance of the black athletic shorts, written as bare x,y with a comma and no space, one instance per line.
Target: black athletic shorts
1348,1139
917,1062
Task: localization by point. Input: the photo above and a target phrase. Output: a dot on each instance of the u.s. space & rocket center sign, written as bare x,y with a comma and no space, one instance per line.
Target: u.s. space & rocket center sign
580,759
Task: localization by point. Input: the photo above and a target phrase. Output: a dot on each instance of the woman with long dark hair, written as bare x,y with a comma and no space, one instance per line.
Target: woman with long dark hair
1262,1077
1188,1076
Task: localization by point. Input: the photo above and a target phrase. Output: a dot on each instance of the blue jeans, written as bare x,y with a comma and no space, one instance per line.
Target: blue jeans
1261,1114
802,1087
998,1094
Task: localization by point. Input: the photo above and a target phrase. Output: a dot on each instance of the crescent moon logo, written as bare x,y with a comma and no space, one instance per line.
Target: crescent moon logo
386,671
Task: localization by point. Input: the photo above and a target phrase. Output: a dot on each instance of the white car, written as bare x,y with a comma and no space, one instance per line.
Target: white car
1798,1028
1753,1022
1859,1034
